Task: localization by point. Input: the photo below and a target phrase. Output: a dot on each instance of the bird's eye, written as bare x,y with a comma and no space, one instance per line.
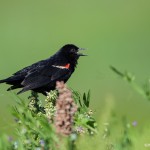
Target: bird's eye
73,50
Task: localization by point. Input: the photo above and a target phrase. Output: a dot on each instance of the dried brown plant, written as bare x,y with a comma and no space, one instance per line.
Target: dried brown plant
65,110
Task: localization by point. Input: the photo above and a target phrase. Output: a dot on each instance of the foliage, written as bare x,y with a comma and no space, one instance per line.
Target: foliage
36,125
130,78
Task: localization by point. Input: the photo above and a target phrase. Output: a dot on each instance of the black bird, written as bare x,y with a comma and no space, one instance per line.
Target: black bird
41,77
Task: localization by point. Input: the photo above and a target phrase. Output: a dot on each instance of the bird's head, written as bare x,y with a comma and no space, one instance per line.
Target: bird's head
71,51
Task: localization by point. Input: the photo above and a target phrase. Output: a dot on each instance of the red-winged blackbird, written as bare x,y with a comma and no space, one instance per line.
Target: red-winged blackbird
42,76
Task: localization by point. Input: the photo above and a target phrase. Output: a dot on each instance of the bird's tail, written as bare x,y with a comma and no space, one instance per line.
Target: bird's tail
2,81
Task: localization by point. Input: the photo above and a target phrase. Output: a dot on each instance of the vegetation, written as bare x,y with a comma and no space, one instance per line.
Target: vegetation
64,121
55,124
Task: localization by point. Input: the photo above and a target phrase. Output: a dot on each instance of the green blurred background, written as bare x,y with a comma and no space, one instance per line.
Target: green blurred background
114,32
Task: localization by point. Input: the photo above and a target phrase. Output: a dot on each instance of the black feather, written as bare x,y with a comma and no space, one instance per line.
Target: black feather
42,76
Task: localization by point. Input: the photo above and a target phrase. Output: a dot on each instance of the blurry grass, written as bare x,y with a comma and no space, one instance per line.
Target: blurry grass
117,133
130,78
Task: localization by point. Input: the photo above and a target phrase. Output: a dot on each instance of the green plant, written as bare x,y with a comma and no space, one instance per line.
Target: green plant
54,124
130,78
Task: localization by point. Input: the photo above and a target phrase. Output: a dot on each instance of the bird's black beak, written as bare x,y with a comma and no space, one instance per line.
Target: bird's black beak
80,54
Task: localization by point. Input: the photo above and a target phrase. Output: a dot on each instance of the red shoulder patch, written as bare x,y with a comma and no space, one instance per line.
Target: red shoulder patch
67,66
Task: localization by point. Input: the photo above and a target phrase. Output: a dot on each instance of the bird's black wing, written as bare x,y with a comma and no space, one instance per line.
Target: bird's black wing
36,65
33,81
20,75
60,73
43,76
